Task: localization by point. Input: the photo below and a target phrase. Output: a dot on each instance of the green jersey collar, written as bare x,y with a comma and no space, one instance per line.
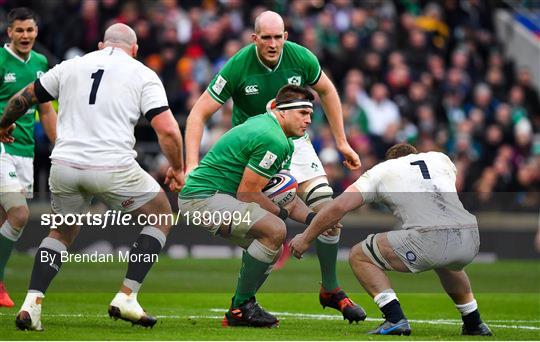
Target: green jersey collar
8,49
266,66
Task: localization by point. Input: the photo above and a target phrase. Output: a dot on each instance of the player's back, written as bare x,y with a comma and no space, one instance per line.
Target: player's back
420,190
101,97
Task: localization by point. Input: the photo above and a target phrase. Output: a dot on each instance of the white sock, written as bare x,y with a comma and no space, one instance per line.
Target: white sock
10,232
385,297
467,308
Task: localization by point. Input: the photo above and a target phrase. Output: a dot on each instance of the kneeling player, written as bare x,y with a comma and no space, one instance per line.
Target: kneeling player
228,184
438,233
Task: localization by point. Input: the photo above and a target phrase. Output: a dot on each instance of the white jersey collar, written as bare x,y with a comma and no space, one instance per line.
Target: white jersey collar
8,49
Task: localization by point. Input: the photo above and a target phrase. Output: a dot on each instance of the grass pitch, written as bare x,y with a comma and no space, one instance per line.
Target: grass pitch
190,297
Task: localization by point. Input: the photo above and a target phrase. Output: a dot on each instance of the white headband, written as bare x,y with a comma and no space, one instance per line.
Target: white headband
295,104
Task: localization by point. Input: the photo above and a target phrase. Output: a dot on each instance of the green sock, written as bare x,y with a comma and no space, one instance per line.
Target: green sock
6,246
249,280
327,254
264,277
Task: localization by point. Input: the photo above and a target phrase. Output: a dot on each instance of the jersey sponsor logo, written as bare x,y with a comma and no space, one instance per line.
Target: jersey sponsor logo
268,160
39,74
296,80
219,85
12,174
10,77
251,89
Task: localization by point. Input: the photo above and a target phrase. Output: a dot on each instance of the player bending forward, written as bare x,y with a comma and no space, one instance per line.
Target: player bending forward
229,182
438,233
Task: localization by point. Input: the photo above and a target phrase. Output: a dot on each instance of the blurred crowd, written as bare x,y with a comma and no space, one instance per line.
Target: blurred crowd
427,72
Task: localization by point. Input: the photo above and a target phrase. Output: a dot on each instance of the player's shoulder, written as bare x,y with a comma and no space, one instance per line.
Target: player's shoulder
432,158
383,167
245,53
265,130
294,47
41,58
435,155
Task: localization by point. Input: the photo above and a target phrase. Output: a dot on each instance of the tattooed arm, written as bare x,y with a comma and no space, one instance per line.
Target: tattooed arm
16,107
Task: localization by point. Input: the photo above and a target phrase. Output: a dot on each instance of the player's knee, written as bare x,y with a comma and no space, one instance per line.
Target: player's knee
317,193
18,216
280,232
356,254
276,231
65,235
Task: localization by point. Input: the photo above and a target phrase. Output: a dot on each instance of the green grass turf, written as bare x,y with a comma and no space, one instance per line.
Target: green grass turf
190,296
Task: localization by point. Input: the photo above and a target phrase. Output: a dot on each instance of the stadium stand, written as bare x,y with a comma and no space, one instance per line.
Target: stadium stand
434,72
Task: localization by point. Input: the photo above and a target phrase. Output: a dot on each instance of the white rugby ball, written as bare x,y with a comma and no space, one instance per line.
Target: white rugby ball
281,189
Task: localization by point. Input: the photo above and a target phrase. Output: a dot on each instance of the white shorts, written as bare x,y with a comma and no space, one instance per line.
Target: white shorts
72,189
16,174
305,163
215,207
425,249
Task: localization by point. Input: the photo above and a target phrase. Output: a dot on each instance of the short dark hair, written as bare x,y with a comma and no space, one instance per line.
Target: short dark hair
20,13
291,92
400,150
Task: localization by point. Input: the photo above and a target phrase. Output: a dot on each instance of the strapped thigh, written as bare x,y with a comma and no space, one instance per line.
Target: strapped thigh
371,249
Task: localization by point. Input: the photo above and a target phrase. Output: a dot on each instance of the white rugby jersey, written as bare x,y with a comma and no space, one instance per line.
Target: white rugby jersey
419,189
101,96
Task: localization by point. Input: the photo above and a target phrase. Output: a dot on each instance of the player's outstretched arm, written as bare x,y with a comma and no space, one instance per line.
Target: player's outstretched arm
298,210
332,107
326,218
170,141
48,116
200,113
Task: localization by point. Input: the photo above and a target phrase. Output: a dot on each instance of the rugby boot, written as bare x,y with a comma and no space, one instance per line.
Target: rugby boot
401,327
249,314
29,317
4,296
339,300
480,330
127,308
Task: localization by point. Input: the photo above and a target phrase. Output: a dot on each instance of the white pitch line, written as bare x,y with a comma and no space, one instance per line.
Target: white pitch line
435,321
316,316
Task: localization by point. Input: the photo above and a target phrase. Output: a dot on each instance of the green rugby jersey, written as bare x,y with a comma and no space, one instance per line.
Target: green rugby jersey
259,144
16,74
251,84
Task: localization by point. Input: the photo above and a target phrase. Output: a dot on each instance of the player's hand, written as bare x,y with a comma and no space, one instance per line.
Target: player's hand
6,133
352,160
298,246
175,179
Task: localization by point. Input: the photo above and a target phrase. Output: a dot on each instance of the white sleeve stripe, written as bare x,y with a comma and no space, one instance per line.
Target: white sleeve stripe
262,173
214,96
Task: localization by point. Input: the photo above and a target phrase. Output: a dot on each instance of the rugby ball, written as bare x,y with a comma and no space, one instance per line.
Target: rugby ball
281,189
